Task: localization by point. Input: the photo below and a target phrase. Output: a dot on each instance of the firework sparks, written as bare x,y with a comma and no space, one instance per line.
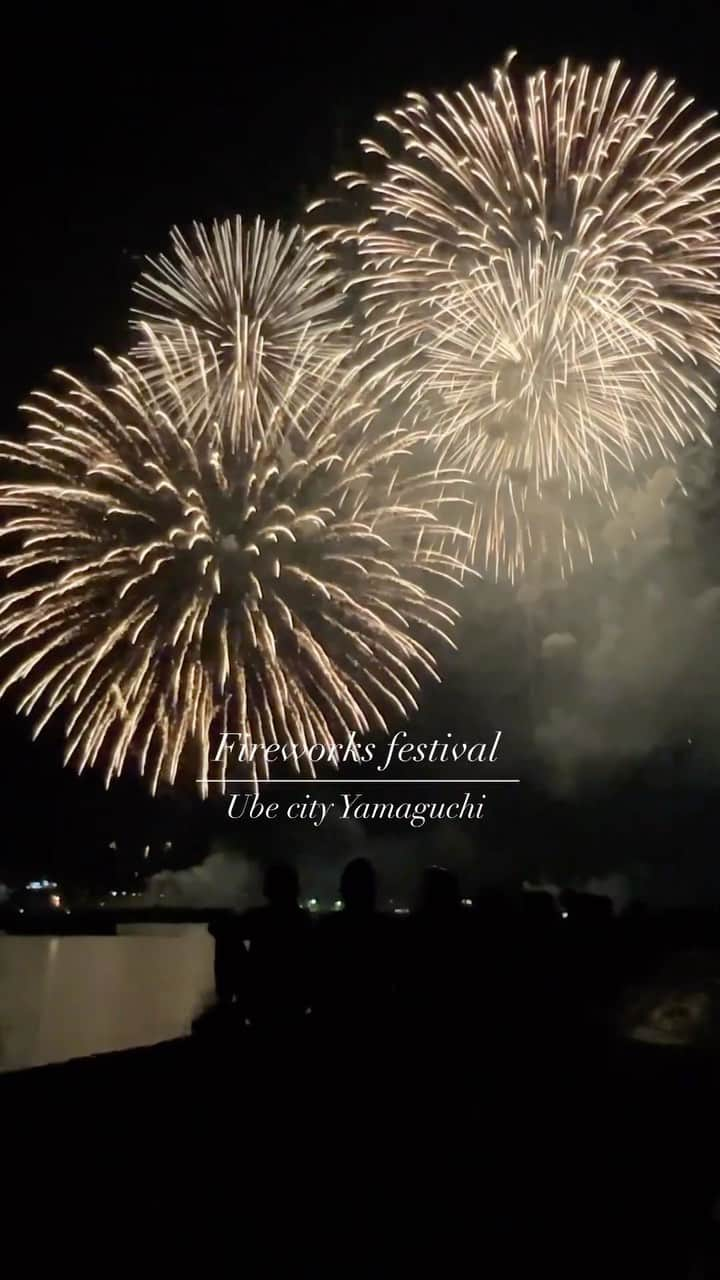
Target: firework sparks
237,286
515,528
266,573
544,260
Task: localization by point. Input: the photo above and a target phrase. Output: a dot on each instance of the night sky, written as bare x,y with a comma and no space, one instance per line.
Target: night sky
121,125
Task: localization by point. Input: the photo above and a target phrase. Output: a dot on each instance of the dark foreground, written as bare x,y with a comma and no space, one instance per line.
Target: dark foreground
497,1147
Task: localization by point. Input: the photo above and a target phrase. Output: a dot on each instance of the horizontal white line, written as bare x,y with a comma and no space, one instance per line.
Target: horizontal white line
309,782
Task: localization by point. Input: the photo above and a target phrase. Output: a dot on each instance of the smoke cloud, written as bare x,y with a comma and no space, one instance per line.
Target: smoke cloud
619,660
227,878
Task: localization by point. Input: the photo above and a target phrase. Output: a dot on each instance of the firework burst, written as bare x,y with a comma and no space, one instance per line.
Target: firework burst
265,573
545,258
238,286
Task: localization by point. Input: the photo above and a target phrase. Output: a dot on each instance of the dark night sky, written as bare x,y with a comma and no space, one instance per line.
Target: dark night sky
119,125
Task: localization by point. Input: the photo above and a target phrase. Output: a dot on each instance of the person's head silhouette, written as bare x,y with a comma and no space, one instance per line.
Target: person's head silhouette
440,891
358,886
281,886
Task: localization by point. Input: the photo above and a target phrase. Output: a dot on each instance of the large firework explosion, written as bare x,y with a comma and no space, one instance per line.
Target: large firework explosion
545,257
237,285
264,572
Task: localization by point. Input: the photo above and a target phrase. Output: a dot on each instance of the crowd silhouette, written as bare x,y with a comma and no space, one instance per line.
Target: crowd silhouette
449,1087
443,966
484,1036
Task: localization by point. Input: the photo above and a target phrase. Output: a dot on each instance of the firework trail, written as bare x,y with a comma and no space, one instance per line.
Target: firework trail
542,262
181,575
235,286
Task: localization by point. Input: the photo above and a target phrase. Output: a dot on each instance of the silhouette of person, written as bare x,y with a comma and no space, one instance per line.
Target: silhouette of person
440,964
223,1020
544,990
277,939
354,959
229,957
358,889
588,936
440,895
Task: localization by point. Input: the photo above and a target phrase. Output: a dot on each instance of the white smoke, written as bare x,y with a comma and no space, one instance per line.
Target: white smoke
616,887
632,668
558,643
227,878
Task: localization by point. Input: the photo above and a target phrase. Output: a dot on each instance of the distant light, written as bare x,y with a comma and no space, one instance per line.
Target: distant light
22,911
167,845
146,851
54,899
466,902
312,903
337,904
401,911
113,893
564,915
112,845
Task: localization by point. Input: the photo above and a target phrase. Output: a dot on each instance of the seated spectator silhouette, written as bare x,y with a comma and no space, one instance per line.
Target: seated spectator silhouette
354,961
277,940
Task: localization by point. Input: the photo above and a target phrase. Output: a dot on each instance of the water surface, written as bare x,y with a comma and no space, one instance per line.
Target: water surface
65,997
